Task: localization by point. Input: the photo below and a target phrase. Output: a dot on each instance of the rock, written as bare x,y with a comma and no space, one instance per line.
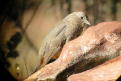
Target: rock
96,45
109,71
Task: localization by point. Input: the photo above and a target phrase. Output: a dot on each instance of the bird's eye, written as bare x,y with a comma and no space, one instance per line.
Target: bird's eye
81,17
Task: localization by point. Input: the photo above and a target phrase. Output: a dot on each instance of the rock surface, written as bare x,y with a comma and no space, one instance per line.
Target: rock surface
96,45
109,71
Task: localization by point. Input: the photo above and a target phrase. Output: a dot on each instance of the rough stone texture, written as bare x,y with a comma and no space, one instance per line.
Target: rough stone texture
109,71
96,45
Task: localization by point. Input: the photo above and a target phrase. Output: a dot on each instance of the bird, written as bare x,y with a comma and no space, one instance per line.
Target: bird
67,29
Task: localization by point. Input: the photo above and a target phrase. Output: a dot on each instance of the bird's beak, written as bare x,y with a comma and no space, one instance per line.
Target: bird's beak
86,22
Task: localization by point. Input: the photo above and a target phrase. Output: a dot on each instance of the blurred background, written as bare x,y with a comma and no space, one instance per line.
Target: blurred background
24,24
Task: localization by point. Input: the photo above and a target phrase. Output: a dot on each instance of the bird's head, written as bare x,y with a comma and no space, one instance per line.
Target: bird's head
83,17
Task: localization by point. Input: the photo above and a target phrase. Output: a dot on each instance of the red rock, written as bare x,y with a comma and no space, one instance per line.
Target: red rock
109,71
97,44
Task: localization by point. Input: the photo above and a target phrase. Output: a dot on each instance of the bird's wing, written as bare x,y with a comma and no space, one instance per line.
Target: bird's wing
59,28
47,51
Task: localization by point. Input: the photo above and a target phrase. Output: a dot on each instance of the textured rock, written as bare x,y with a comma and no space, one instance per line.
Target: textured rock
96,45
109,71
